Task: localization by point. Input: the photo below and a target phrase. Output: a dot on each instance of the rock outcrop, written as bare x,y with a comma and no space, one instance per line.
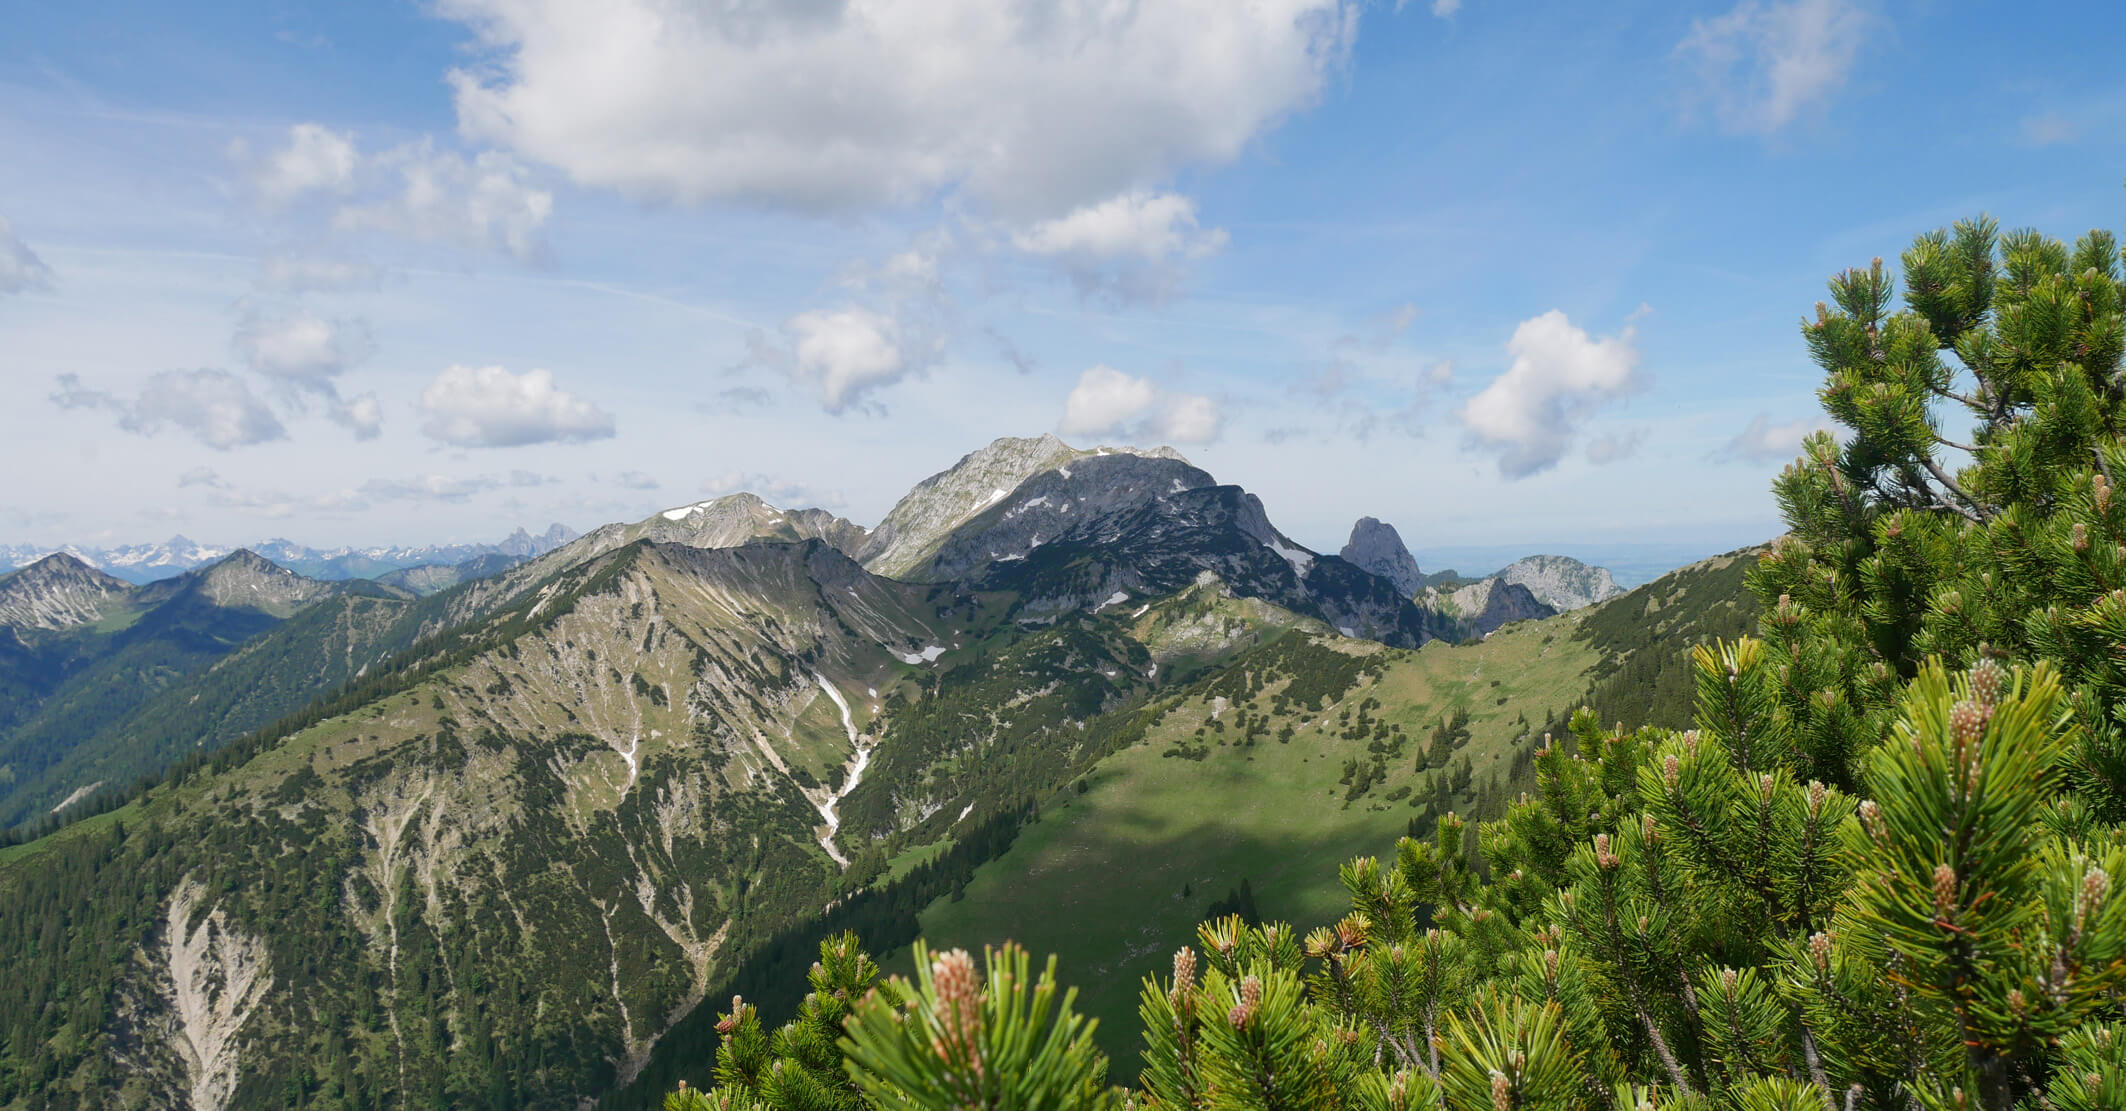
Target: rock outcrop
1561,582
1375,546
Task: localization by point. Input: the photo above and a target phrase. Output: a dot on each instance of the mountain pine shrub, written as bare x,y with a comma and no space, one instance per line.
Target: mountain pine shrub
1878,873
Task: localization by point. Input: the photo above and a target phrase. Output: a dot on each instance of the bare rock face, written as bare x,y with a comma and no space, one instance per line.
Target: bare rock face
920,523
1563,583
1484,606
736,519
58,592
1375,546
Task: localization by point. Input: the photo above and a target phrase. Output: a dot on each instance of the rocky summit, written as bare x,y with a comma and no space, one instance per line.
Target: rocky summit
1561,582
1375,546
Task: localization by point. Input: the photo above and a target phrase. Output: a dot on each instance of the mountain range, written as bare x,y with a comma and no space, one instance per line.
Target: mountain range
144,563
490,834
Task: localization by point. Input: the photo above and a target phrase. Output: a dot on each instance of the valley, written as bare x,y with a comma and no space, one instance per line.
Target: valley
501,839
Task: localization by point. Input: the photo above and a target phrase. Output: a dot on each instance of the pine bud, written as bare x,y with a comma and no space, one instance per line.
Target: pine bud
1817,793
1250,1001
959,992
1184,978
1987,678
1649,830
1671,770
1727,980
2096,883
1603,857
1501,1092
1820,951
1967,723
2016,1003
1944,889
1765,783
2079,537
2103,494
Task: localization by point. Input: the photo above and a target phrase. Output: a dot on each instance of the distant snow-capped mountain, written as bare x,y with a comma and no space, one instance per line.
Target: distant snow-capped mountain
142,563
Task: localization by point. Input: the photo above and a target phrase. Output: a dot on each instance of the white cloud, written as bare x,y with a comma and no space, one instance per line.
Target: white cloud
1150,226
20,268
1036,109
293,273
301,348
414,190
202,476
487,202
1446,8
636,480
842,355
1108,402
1530,414
490,407
1612,449
1763,63
362,415
1129,245
1765,442
1104,398
315,159
214,406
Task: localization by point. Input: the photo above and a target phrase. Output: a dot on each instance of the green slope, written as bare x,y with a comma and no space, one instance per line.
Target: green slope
1117,871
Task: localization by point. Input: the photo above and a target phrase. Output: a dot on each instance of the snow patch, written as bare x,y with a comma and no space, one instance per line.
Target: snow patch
1347,630
1115,599
963,813
1064,471
1140,610
1299,559
926,656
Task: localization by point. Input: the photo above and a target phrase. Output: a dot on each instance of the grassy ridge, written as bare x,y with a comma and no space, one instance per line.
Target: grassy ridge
1114,878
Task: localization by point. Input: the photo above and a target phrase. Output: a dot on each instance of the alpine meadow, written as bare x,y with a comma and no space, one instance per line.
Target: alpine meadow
1058,555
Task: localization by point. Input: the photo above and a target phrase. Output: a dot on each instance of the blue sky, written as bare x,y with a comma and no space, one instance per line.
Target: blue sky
1508,275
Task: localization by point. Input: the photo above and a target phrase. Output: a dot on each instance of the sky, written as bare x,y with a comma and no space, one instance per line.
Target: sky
1510,276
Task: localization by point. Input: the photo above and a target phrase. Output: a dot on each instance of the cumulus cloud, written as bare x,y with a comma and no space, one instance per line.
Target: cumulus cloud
844,355
301,348
1108,402
636,480
1530,414
362,415
490,407
1446,8
1765,442
315,159
485,202
1129,246
1763,63
414,190
1036,109
215,407
201,476
20,268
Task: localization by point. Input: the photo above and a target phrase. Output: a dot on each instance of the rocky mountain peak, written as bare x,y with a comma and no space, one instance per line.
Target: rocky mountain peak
247,579
920,522
57,592
1375,546
1561,582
